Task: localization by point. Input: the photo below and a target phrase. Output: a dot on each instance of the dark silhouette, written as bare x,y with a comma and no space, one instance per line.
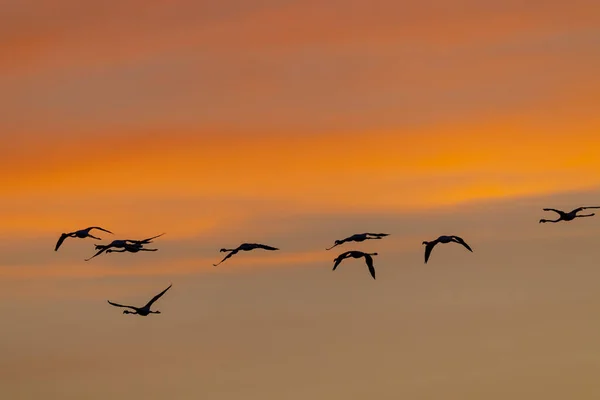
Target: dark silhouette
357,254
130,248
567,216
143,311
443,239
244,247
83,233
359,237
144,241
122,244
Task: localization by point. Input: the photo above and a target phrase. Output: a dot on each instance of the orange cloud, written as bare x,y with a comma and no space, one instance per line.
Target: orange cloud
358,166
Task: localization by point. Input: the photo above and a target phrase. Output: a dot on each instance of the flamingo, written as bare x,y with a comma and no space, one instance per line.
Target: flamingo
357,254
121,244
443,239
83,233
567,216
131,248
143,311
244,247
359,237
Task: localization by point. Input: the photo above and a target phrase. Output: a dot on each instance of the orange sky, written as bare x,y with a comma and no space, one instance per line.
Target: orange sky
296,123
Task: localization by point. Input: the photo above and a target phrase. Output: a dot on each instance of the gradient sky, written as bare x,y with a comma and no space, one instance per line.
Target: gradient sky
295,123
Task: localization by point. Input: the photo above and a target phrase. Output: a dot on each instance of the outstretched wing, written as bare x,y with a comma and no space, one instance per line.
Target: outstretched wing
145,241
97,227
378,234
339,259
226,257
120,305
584,208
61,240
264,246
461,241
157,297
554,209
98,253
337,262
428,249
369,261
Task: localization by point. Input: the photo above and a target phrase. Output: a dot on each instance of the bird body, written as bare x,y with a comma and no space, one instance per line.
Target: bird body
356,254
82,234
567,216
142,311
359,237
130,248
244,247
443,239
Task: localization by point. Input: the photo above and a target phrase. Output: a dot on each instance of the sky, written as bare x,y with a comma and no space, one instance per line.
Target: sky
296,123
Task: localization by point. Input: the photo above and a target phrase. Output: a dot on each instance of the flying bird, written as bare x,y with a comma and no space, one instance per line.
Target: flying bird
121,244
443,239
567,216
143,311
244,247
130,248
83,233
357,254
359,237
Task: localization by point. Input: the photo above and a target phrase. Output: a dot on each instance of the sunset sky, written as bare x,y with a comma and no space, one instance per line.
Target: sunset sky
295,123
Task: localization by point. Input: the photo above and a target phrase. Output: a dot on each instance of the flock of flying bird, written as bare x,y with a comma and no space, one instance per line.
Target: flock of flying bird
134,246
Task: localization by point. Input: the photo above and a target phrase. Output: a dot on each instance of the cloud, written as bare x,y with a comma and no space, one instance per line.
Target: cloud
296,65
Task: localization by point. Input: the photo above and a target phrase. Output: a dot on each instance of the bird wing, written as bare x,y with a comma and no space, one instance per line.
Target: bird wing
378,234
339,259
264,246
145,241
369,261
120,305
461,241
157,297
98,253
226,257
428,249
554,209
97,227
337,262
585,208
61,240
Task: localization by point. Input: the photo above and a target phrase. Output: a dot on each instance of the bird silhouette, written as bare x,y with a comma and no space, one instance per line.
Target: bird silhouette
567,216
83,233
359,237
443,239
244,247
143,311
130,248
121,244
356,254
